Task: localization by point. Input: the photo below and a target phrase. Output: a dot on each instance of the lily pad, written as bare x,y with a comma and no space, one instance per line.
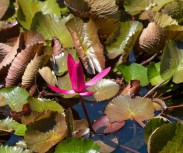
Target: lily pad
10,125
15,97
153,73
9,149
172,62
76,145
101,90
27,9
42,141
134,71
122,41
40,105
168,138
124,108
152,125
51,26
87,44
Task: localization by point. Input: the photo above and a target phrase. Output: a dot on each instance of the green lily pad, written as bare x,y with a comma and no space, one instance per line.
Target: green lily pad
40,105
168,138
123,40
10,125
134,72
9,149
172,62
27,9
50,26
15,97
76,145
153,73
152,125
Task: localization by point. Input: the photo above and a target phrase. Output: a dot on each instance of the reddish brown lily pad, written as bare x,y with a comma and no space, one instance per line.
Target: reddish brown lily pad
103,125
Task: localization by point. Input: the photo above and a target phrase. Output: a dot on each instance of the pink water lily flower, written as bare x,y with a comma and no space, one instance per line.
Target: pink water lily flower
77,78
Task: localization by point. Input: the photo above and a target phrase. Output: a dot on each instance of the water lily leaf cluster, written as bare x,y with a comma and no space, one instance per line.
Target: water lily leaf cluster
54,52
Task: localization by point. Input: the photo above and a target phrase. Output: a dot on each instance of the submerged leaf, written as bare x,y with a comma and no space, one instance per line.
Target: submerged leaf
50,26
15,97
10,125
41,142
134,71
87,44
14,149
76,145
40,105
168,138
124,108
172,62
48,76
101,90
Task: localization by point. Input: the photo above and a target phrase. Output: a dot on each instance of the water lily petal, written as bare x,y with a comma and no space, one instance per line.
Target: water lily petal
98,77
70,64
87,93
76,75
61,90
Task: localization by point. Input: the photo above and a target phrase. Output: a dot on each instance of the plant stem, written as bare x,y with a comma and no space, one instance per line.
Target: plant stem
86,114
154,88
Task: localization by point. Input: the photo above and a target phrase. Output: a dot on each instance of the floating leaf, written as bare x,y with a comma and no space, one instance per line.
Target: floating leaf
10,125
41,142
3,7
80,128
134,72
101,90
9,149
168,138
31,71
76,145
152,39
40,105
172,62
153,73
50,26
34,117
174,9
22,59
103,125
152,125
122,41
15,97
48,76
164,20
87,44
137,6
124,108
27,10
108,144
